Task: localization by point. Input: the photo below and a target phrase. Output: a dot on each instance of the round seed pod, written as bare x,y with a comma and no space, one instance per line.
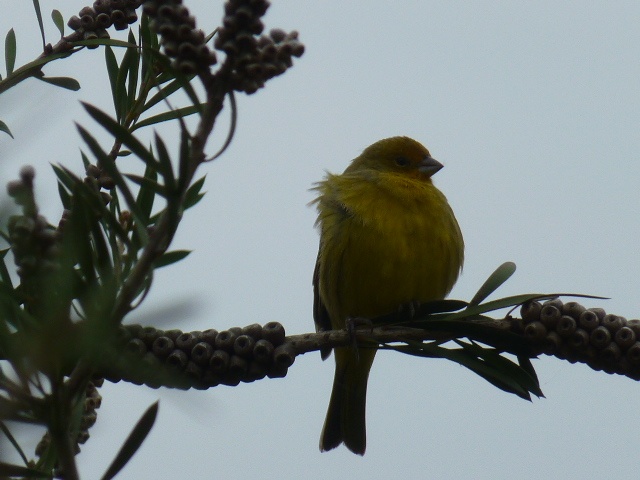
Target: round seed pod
225,340
600,337
210,379
238,366
633,354
177,359
173,334
186,342
263,351
573,309
530,311
535,331
611,353
549,316
274,333
579,339
589,320
284,354
201,353
599,312
566,326
136,347
625,337
613,323
634,324
552,343
162,347
556,302
243,346
257,371
254,330
209,336
277,371
219,362
148,335
193,371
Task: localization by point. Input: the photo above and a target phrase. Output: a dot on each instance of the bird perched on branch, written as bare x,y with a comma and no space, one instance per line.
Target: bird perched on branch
388,238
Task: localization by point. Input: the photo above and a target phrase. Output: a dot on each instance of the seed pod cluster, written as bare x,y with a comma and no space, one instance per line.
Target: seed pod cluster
92,402
34,243
255,58
182,41
94,21
202,359
589,335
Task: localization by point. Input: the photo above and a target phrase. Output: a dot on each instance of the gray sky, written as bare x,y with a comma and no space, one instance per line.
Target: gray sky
533,107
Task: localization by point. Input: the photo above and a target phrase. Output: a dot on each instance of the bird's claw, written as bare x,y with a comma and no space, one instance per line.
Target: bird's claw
352,324
409,308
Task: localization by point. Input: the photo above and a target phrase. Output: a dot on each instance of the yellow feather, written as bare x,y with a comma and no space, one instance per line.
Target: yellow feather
387,237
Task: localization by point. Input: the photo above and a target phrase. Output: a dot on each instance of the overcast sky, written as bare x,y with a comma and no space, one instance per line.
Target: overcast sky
533,108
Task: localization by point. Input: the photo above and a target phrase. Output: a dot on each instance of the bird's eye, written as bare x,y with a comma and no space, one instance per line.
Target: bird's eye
402,161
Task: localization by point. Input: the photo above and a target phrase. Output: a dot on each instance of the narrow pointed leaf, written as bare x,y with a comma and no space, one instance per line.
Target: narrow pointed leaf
133,442
63,82
170,257
112,71
165,162
193,194
4,272
134,66
146,196
36,6
103,41
58,20
4,128
170,115
10,51
497,278
147,183
7,470
121,134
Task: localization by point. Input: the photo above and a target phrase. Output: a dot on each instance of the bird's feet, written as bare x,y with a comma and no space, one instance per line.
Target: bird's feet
352,324
409,309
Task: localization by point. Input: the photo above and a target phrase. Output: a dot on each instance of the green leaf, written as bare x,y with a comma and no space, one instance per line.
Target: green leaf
66,177
36,6
10,51
146,196
166,168
4,128
103,41
497,278
170,257
7,470
58,20
4,272
147,183
133,442
9,436
124,98
123,135
64,82
193,194
112,71
134,66
170,115
65,197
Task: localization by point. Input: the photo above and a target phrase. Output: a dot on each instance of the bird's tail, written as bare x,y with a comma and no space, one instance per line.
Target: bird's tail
345,421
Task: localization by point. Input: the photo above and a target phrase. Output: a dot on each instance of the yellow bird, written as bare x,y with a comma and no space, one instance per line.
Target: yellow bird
388,238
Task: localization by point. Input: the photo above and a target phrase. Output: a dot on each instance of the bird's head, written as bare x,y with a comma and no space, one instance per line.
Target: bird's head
401,155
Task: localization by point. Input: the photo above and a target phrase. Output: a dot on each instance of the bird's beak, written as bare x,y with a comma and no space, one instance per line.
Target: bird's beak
429,166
